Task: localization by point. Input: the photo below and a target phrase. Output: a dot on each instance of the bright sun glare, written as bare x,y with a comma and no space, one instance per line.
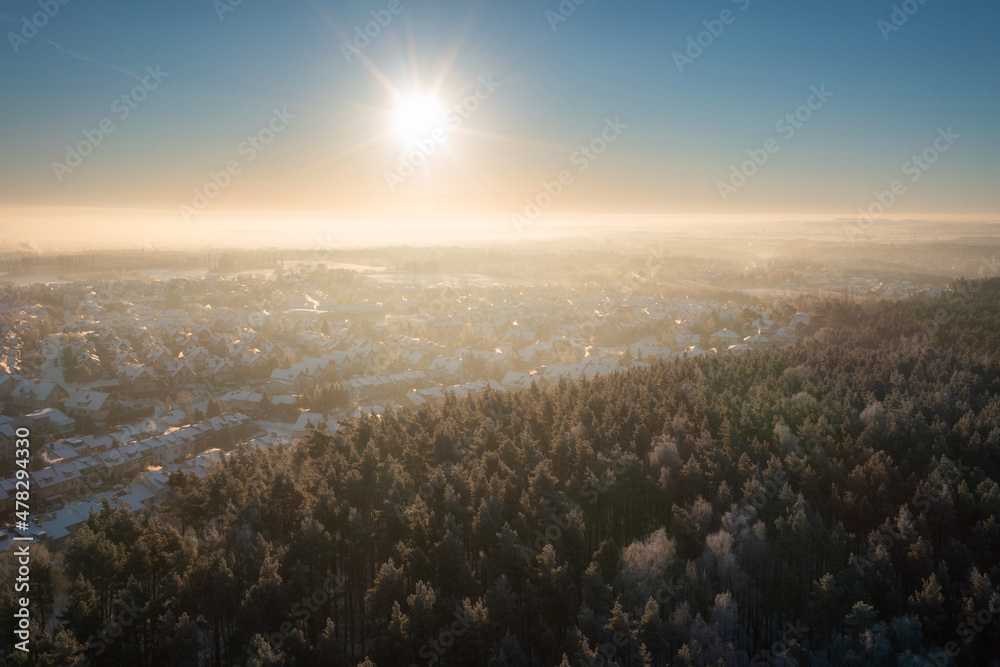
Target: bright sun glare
417,117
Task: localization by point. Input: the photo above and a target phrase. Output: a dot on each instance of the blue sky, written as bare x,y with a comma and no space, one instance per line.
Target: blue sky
686,130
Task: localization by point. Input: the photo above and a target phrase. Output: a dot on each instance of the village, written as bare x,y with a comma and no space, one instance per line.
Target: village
123,382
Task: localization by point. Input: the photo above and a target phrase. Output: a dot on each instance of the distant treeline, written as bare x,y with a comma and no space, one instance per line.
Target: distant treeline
131,260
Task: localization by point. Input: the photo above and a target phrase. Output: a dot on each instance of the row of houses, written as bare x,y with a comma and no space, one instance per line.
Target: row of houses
767,331
82,467
327,367
10,350
30,319
248,400
147,349
45,425
28,395
589,368
431,395
147,490
384,386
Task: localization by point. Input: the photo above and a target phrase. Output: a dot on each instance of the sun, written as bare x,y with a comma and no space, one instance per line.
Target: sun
417,117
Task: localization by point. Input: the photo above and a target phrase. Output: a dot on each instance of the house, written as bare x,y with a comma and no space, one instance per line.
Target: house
94,405
90,362
375,386
7,384
785,336
417,399
310,373
138,379
431,395
235,349
514,381
54,481
594,366
101,443
10,359
724,338
495,362
755,341
310,420
137,497
197,357
243,400
69,519
800,319
124,358
8,434
519,335
181,374
268,442
63,450
284,400
571,372
221,370
38,394
48,424
82,347
469,388
158,358
447,370
253,361
725,315
686,340
316,368
287,380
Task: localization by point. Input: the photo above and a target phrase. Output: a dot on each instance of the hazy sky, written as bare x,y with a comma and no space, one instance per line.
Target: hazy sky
265,88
